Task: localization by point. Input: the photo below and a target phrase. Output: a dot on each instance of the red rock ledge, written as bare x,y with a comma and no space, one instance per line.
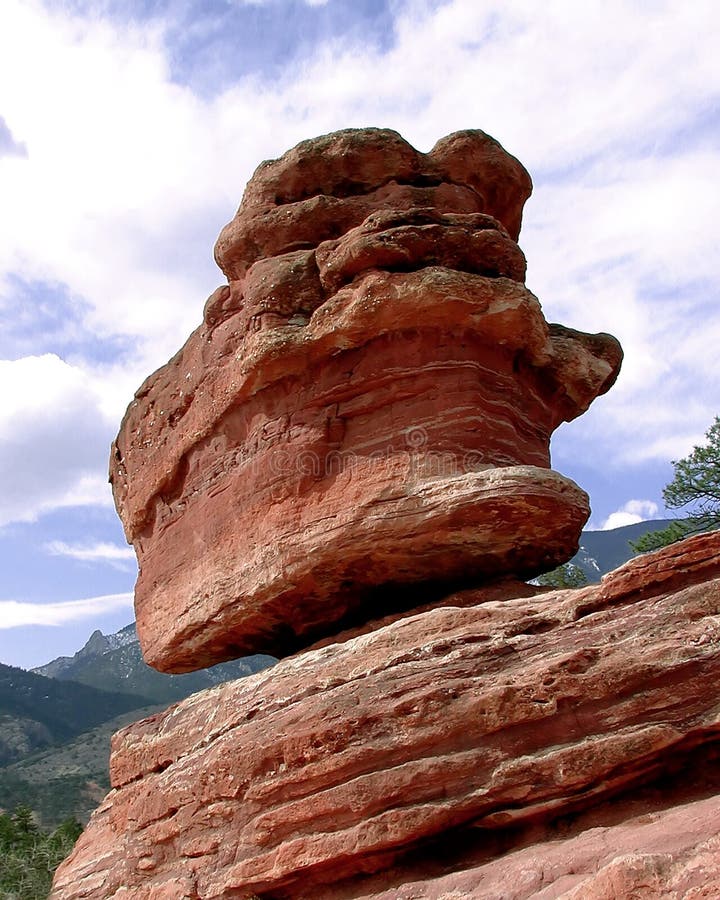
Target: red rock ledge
431,758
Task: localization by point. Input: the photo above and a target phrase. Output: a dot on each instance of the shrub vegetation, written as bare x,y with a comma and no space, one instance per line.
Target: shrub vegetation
29,855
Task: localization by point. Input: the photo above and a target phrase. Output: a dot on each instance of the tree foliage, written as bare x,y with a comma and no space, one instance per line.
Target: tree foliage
54,798
64,708
29,855
696,485
568,575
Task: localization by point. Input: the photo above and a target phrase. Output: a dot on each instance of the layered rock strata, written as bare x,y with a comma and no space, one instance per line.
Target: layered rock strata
362,421
367,405
450,734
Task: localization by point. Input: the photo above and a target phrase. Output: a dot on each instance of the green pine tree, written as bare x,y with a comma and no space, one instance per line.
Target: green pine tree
695,485
29,855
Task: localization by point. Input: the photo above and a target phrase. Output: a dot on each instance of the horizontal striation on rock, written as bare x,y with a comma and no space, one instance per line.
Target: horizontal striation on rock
181,404
485,716
319,566
373,357
375,346
496,323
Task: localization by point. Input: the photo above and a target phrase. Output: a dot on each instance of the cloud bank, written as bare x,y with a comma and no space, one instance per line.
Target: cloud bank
53,436
99,552
131,170
631,513
17,613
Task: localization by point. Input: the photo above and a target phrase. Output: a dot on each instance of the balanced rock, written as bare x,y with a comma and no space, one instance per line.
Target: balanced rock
350,458
366,408
432,757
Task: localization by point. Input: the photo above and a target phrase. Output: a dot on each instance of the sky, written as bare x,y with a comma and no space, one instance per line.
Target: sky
128,129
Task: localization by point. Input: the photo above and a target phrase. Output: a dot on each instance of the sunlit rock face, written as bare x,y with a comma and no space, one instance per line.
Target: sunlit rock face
509,743
348,461
366,408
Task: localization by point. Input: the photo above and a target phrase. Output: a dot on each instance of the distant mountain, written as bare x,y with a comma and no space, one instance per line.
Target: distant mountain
56,721
37,712
96,645
66,780
114,663
602,551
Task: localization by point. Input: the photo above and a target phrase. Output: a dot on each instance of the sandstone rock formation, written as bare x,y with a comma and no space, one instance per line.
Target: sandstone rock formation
368,405
432,757
349,461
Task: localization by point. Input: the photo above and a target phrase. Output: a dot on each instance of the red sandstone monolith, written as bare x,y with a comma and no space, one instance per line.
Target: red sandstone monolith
366,408
349,460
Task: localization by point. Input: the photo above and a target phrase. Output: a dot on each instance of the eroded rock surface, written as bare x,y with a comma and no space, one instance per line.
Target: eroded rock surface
434,733
350,458
651,850
368,403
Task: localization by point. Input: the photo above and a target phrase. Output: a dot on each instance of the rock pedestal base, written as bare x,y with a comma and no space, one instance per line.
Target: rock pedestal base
453,728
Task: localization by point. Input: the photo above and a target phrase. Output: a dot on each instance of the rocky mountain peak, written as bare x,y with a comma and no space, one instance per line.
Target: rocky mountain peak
97,643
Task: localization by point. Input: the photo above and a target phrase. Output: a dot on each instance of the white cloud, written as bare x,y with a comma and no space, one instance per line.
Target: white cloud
644,270
8,145
116,153
122,158
54,438
278,2
630,513
17,613
129,176
99,552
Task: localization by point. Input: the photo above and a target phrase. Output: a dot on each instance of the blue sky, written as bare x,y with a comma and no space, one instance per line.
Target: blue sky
129,129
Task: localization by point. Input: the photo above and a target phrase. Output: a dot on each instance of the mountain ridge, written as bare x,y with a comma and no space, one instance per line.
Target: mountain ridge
97,643
37,711
114,662
601,551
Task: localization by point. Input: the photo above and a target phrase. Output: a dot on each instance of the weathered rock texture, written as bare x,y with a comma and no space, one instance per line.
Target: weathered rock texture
368,404
362,421
428,758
